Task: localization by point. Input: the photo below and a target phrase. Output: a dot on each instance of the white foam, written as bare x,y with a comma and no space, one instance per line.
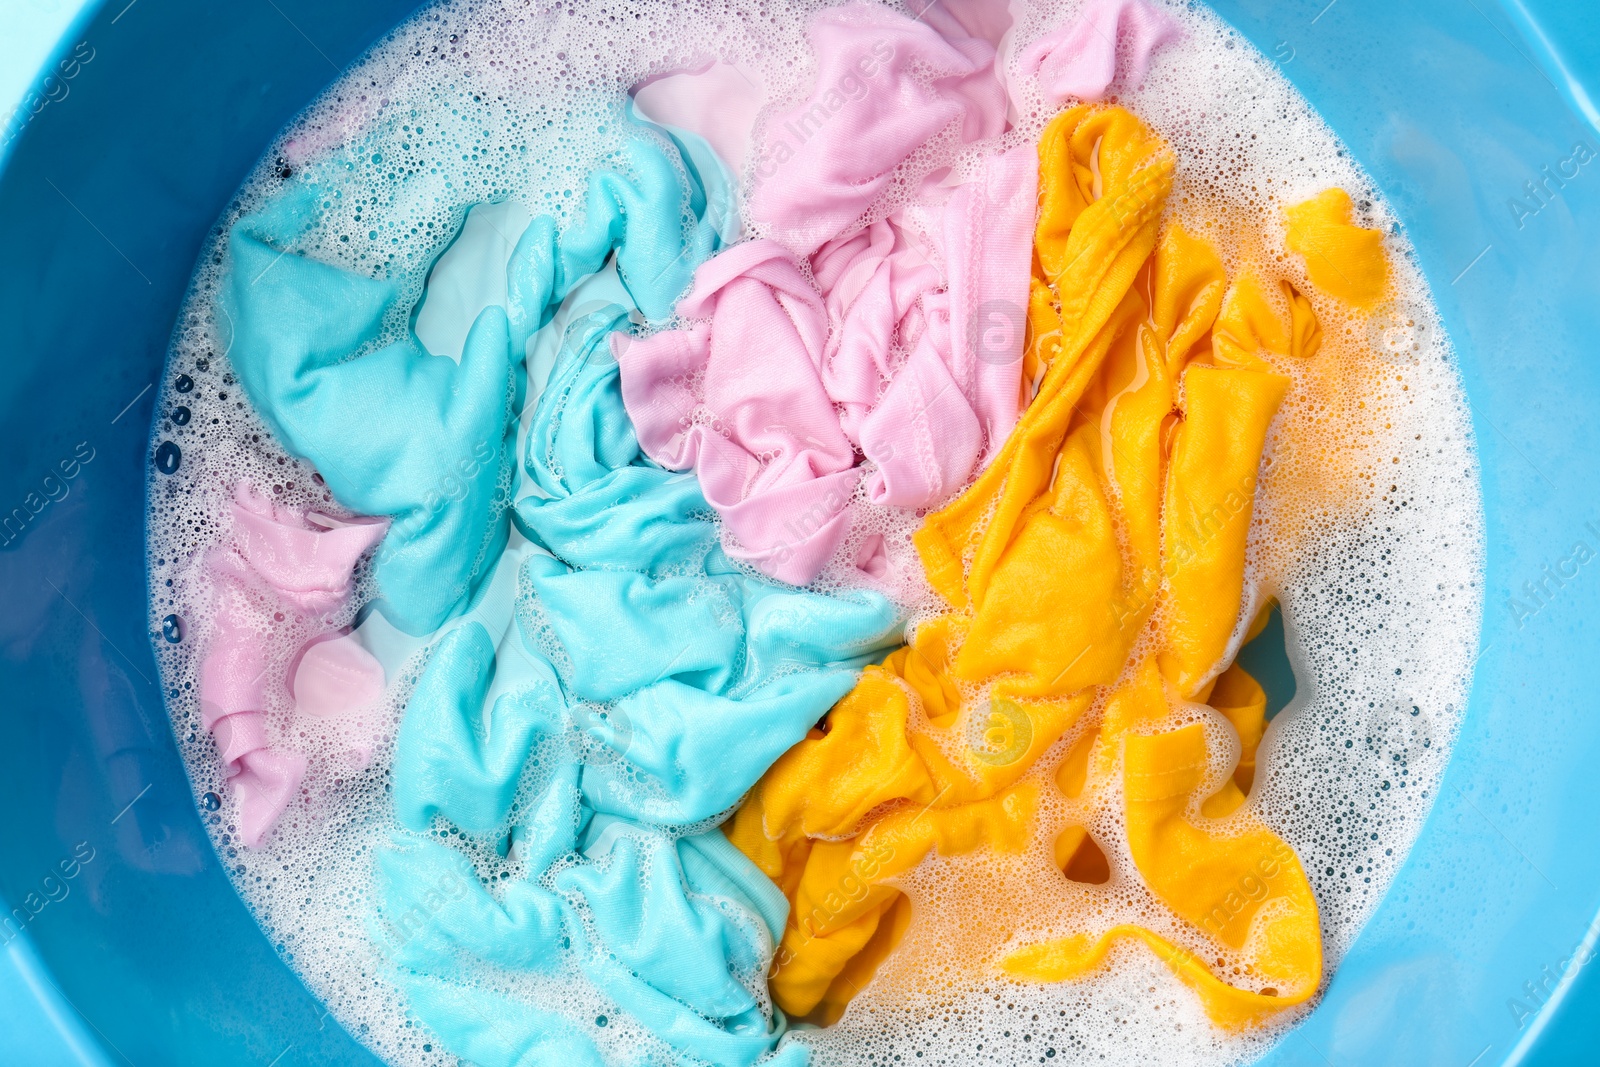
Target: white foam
1380,573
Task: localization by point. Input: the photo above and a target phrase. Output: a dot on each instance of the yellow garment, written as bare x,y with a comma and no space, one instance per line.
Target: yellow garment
1240,699
836,891
1113,520
1343,259
1218,883
1211,484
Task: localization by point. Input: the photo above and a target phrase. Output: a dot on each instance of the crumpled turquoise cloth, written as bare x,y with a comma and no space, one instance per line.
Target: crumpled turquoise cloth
567,750
645,683
711,673
439,459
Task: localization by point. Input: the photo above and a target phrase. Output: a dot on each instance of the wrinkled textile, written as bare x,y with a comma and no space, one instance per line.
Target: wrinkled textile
1127,484
282,575
640,682
1080,60
1342,259
717,101
438,460
898,342
674,933
606,675
885,85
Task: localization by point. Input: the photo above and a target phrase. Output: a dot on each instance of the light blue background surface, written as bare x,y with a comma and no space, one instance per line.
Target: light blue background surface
37,1027
28,32
1452,105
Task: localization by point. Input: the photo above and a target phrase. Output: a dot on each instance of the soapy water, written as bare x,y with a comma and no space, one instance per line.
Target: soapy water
1368,525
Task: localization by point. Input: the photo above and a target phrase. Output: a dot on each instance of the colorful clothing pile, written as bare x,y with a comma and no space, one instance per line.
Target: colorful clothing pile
576,514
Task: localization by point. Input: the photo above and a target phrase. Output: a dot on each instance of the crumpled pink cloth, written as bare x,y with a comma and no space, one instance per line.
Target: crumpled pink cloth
1079,60
885,85
826,341
831,339
282,569
987,20
719,101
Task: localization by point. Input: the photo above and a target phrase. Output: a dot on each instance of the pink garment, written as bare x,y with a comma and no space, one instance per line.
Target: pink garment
718,101
890,353
987,20
283,572
338,130
885,85
337,685
1080,59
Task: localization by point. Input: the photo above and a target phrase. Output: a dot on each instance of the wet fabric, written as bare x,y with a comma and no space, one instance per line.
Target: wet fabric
897,342
717,101
280,579
886,84
584,732
1127,485
609,679
1343,259
777,452
1081,59
607,683
437,463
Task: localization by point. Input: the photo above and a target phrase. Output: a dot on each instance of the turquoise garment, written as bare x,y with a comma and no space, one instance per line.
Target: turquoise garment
650,684
494,1030
452,762
438,459
574,743
714,672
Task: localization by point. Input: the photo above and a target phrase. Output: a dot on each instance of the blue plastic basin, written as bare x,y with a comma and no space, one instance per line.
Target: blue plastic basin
135,948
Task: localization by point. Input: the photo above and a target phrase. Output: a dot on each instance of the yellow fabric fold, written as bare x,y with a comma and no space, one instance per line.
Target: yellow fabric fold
1189,285
1244,888
1095,579
840,898
1342,259
1210,498
1089,256
1078,956
1240,699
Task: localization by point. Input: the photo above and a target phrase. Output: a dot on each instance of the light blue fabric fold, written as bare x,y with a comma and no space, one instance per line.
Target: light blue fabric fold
677,680
421,438
659,227
434,456
676,932
488,1028
714,671
453,761
637,887
648,628
671,932
567,750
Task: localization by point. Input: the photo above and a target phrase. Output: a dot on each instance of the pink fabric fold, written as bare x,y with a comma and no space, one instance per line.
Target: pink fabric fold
882,345
337,684
1079,60
282,574
307,560
854,356
987,20
718,101
886,84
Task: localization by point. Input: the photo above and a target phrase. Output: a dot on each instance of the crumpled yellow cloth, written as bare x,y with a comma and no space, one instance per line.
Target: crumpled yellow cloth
1342,259
1100,555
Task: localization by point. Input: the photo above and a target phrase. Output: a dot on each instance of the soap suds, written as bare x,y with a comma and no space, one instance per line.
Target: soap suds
1368,527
